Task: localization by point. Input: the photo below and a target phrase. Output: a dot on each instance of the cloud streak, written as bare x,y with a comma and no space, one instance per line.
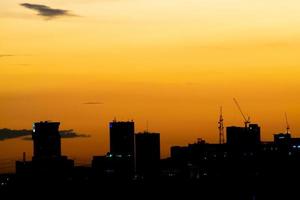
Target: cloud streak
6,134
93,103
71,134
5,55
46,11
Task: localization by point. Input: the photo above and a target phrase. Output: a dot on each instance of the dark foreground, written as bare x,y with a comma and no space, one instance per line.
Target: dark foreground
206,188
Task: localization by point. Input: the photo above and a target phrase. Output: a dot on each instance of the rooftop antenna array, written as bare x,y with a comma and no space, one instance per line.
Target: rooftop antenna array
221,127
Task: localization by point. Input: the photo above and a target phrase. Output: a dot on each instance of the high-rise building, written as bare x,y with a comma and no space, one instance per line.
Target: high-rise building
253,134
47,160
119,162
122,138
235,135
147,153
243,135
46,140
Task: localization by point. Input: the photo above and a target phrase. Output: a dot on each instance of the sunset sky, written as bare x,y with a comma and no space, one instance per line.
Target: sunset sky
172,63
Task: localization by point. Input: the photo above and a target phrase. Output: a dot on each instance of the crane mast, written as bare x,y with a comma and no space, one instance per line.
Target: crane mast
287,124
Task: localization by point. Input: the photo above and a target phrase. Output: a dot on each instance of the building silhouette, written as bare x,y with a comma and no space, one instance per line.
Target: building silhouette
282,138
249,135
147,154
121,138
111,167
47,161
134,162
46,140
119,162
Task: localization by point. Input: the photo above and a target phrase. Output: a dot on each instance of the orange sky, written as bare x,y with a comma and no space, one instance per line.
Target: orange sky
171,62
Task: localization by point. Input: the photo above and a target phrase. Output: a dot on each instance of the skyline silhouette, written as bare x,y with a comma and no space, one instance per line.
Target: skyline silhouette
134,159
241,136
8,166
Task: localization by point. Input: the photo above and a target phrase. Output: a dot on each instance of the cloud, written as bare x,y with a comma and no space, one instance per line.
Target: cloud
6,133
5,55
93,103
46,11
71,134
22,64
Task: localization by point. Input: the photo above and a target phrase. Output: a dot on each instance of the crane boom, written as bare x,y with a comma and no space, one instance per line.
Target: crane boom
287,124
246,121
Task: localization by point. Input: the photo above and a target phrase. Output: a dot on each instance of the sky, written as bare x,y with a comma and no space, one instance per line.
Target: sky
170,63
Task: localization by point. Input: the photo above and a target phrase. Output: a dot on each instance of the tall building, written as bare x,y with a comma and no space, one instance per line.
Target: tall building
235,135
47,161
253,134
119,162
243,135
46,140
147,153
122,138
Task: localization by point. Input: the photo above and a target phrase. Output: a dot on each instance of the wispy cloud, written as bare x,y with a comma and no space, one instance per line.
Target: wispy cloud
93,103
46,11
20,64
71,134
5,55
6,133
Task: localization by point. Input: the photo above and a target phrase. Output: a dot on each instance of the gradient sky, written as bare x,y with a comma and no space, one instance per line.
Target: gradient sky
172,63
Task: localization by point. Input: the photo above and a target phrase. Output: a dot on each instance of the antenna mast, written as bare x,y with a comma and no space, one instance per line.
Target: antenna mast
221,127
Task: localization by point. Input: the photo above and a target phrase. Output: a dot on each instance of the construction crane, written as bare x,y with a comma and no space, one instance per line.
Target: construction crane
287,124
221,128
246,121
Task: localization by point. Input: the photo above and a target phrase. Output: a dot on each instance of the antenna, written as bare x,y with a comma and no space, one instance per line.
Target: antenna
246,121
287,124
221,127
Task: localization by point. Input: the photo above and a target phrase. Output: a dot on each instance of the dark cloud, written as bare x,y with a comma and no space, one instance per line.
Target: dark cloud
46,11
5,55
6,133
71,134
93,103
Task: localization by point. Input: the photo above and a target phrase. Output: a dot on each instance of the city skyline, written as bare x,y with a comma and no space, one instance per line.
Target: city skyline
134,159
168,65
7,166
